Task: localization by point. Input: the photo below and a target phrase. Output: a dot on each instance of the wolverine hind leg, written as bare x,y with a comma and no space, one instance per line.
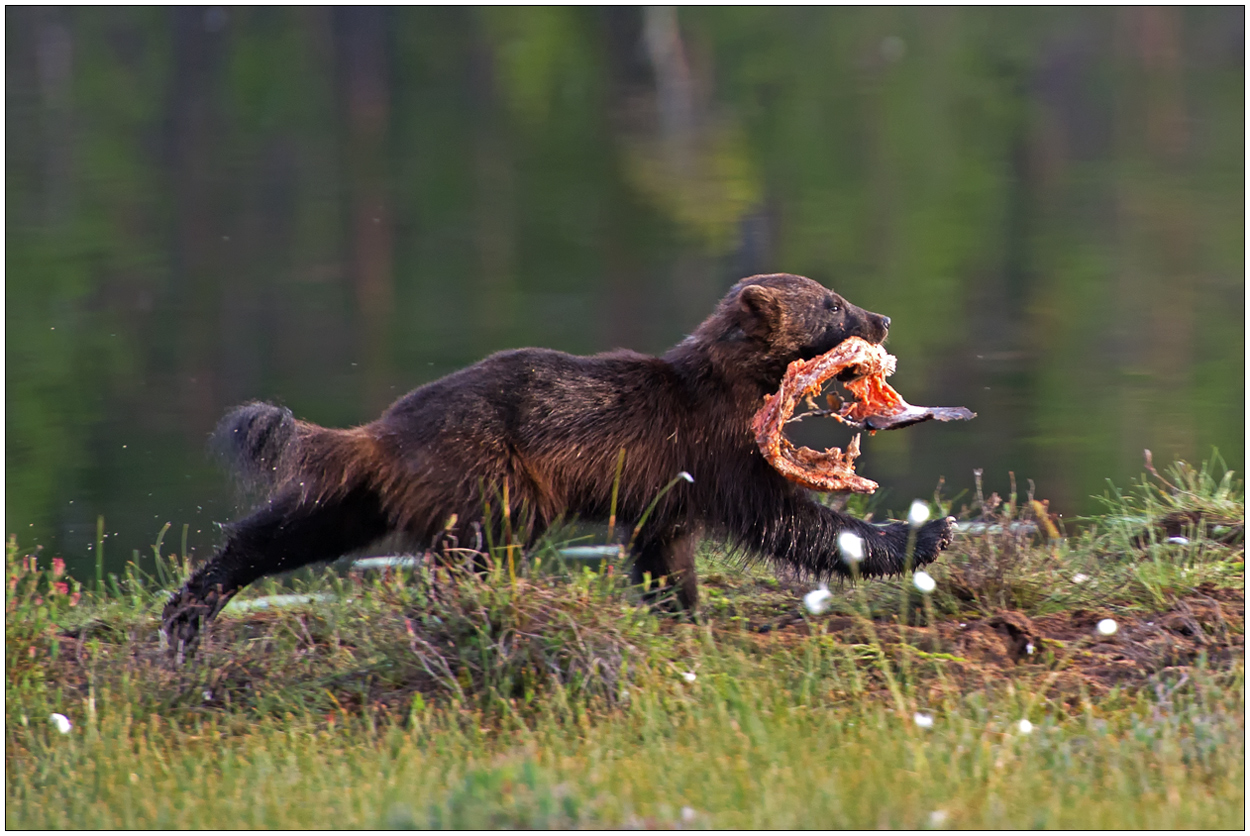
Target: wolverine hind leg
669,560
286,534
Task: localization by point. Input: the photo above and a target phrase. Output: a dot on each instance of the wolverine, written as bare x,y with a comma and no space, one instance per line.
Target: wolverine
545,430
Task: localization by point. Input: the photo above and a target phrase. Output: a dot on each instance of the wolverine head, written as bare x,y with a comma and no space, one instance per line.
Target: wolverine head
766,322
796,317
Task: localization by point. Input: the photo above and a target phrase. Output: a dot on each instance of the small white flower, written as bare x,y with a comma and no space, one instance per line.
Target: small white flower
1029,648
922,720
924,582
62,723
208,695
937,818
1080,577
686,476
1025,727
852,546
689,676
687,814
1107,626
818,600
1179,541
918,514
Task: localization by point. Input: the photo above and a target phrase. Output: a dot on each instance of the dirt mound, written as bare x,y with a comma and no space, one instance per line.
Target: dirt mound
1067,645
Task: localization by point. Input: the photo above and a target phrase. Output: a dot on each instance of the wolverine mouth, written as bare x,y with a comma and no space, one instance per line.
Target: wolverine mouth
872,405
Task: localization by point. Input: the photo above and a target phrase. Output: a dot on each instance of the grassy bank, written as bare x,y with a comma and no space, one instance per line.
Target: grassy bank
547,696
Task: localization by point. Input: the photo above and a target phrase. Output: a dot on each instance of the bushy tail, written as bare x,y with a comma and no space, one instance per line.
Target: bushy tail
255,442
266,447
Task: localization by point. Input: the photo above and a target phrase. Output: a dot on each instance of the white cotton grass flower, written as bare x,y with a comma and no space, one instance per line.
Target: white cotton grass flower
938,818
1179,541
1025,726
924,582
923,720
1029,648
918,514
686,476
1080,577
1107,626
689,676
818,600
62,723
851,545
688,814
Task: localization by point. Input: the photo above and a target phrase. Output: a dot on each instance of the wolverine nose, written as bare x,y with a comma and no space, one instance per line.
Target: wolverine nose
885,320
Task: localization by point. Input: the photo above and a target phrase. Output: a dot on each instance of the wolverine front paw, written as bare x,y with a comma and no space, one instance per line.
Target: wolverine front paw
890,555
932,539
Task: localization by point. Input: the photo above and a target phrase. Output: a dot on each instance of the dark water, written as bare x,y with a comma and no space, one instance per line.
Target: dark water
327,208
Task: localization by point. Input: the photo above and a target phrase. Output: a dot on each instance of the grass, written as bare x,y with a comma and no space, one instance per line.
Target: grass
543,696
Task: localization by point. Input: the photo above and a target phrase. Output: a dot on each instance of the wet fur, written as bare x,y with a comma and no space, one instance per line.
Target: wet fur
549,426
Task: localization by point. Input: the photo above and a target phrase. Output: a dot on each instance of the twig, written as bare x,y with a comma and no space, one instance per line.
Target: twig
448,678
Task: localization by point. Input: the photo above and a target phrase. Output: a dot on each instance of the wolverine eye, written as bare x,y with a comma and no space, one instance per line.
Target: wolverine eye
832,306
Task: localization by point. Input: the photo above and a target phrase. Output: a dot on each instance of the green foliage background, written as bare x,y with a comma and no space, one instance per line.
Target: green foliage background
327,208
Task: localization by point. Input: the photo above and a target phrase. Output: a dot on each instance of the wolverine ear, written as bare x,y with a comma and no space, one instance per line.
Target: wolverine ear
759,310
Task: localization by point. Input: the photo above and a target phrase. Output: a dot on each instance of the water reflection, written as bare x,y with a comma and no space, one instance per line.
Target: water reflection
329,207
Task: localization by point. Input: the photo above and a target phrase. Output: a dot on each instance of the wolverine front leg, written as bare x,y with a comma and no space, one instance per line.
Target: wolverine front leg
805,535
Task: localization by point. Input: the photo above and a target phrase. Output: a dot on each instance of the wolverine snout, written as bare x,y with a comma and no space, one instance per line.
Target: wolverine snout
883,326
876,327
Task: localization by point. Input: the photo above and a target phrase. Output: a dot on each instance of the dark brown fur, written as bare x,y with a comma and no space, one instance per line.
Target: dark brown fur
549,426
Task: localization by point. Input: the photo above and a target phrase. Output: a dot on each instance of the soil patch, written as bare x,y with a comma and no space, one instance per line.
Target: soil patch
1207,627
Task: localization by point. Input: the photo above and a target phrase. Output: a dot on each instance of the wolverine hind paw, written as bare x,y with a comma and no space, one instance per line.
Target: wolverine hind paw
184,618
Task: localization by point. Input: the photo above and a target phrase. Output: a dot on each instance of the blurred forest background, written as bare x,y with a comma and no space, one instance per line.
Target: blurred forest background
328,207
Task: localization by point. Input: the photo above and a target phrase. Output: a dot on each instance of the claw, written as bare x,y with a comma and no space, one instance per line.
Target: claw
186,614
